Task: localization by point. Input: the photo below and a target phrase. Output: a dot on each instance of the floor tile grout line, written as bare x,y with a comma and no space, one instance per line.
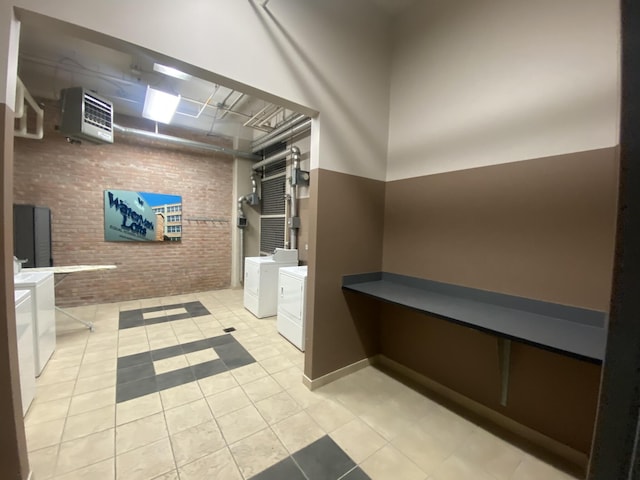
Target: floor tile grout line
304,474
251,325
64,426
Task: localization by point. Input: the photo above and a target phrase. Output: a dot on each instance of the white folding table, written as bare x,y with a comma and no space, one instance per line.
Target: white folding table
61,273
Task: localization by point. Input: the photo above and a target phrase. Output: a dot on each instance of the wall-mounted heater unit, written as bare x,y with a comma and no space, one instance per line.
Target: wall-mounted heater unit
86,116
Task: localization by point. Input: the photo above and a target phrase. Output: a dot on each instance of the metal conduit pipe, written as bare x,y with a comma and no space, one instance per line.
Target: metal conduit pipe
241,200
298,129
230,107
241,249
184,142
244,198
280,155
265,140
293,230
273,158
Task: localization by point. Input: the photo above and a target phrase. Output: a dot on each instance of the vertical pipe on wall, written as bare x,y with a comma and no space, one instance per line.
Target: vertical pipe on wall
252,199
293,229
241,254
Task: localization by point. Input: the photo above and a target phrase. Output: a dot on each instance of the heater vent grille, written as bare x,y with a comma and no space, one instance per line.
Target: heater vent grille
98,113
86,116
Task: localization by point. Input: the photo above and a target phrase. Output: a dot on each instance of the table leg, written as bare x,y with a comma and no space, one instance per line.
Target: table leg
89,325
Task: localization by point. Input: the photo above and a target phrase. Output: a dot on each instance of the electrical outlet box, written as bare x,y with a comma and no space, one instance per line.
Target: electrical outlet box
293,222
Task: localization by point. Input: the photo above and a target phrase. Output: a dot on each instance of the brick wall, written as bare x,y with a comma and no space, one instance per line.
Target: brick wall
71,179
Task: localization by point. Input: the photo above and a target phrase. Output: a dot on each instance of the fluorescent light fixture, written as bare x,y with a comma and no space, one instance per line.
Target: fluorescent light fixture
172,72
159,106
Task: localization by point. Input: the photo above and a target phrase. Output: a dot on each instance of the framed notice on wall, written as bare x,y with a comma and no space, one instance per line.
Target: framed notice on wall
142,217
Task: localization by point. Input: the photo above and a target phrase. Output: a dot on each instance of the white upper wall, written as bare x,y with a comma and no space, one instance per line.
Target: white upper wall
483,82
329,56
9,39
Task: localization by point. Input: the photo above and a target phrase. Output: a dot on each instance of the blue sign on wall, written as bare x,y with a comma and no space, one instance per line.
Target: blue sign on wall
141,216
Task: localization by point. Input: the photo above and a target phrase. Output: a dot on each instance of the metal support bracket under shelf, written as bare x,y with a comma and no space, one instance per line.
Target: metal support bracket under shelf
504,358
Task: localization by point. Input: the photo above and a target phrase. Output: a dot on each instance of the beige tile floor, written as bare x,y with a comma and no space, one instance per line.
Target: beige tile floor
235,424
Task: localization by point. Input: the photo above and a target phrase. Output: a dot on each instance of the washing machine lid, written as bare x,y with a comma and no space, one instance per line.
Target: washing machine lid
20,294
269,259
300,272
30,279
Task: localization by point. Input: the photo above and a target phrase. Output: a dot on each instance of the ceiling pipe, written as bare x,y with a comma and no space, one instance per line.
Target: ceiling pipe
259,143
230,107
273,158
298,129
184,142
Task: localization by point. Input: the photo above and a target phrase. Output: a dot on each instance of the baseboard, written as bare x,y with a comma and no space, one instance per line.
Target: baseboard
548,444
336,374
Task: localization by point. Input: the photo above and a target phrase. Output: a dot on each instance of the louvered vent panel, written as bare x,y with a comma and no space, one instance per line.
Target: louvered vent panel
98,113
86,116
271,234
275,168
273,200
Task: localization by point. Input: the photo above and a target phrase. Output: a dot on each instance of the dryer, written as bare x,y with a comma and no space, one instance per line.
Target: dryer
43,303
292,301
261,281
26,362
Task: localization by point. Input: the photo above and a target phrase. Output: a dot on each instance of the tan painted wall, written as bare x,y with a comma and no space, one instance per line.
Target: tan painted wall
484,82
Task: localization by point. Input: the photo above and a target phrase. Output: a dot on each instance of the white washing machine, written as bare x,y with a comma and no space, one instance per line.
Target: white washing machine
261,281
43,304
26,361
292,301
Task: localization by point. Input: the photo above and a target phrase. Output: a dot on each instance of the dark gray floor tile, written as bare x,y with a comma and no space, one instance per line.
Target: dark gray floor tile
196,346
323,460
159,308
136,372
356,474
168,318
130,315
174,378
177,316
131,390
130,323
136,359
221,340
188,305
166,352
207,369
283,470
233,355
198,312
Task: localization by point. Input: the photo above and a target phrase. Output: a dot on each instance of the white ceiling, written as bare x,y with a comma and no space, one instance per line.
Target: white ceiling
50,61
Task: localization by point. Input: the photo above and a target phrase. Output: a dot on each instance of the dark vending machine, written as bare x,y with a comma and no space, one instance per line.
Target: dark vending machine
32,235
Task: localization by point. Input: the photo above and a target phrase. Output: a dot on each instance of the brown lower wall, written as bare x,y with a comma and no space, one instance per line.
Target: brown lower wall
541,228
13,448
303,232
553,394
346,223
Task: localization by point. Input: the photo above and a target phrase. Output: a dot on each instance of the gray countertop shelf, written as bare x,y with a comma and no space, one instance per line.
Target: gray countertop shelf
573,331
